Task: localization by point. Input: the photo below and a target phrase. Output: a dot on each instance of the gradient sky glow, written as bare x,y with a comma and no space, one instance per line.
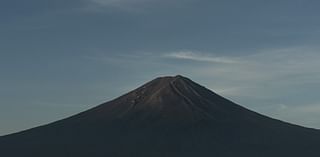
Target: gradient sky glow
61,57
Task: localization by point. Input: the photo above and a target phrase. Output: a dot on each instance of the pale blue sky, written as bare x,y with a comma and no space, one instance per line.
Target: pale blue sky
60,57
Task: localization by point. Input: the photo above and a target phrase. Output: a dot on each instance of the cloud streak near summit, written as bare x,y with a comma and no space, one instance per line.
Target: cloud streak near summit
188,55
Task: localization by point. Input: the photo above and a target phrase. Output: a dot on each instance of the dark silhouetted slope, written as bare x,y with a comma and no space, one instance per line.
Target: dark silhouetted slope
167,117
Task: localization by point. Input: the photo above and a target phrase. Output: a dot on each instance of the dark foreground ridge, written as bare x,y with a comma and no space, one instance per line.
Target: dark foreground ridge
167,117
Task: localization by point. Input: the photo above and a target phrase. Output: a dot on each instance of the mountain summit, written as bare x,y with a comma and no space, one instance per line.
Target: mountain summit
166,117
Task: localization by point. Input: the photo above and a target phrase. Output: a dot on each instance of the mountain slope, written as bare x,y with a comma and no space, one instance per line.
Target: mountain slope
169,116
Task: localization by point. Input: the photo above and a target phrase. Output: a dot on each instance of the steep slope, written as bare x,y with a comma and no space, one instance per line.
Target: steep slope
169,116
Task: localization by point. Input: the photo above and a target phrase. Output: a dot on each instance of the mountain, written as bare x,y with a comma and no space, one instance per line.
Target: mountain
166,117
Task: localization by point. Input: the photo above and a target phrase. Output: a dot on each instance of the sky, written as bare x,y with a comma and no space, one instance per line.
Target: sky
61,57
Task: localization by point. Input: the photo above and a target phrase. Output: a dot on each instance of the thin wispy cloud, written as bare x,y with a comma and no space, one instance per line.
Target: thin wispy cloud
124,5
279,68
188,55
113,2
